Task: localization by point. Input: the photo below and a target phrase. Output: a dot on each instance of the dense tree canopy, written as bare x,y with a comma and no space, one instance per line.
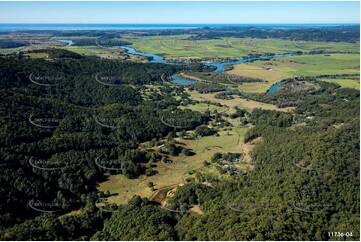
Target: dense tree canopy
67,121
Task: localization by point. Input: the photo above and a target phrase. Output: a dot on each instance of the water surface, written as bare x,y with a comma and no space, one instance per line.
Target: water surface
274,87
219,66
69,42
79,27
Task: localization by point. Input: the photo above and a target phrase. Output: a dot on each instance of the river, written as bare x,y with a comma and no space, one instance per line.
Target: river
219,65
69,42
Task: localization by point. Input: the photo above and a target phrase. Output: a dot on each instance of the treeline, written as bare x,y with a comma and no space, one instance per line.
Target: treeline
342,33
56,53
217,78
62,129
49,226
305,183
57,141
203,87
336,34
100,41
85,81
224,95
9,43
294,91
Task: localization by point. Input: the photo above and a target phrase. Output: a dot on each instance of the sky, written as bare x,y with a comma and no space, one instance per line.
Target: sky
180,12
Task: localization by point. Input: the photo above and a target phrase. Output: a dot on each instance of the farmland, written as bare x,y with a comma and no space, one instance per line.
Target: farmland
347,83
237,101
121,145
179,47
182,167
176,172
306,65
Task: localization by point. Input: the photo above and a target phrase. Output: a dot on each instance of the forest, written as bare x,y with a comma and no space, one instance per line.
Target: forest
328,34
51,135
69,120
301,186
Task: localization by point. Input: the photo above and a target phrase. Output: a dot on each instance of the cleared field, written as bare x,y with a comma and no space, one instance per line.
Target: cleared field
110,53
305,65
73,38
123,189
237,101
256,87
203,107
38,55
11,50
313,65
263,72
90,50
31,39
347,83
179,47
175,173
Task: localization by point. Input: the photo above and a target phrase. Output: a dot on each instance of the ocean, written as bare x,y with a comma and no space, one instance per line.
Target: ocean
67,27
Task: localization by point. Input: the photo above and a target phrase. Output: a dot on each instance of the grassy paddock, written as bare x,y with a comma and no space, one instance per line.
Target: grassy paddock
179,47
306,65
203,107
237,101
346,83
176,172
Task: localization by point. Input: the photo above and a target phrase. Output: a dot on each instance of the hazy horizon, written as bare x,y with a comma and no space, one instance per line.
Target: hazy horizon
180,12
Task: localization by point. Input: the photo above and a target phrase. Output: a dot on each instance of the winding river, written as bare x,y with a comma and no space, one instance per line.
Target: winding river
69,42
274,87
219,65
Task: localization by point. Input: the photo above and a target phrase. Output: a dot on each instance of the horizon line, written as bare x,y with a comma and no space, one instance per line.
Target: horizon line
182,23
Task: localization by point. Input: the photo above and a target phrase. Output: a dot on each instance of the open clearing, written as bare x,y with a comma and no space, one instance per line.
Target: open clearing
263,72
175,173
92,50
242,103
108,53
179,47
203,107
306,65
347,83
